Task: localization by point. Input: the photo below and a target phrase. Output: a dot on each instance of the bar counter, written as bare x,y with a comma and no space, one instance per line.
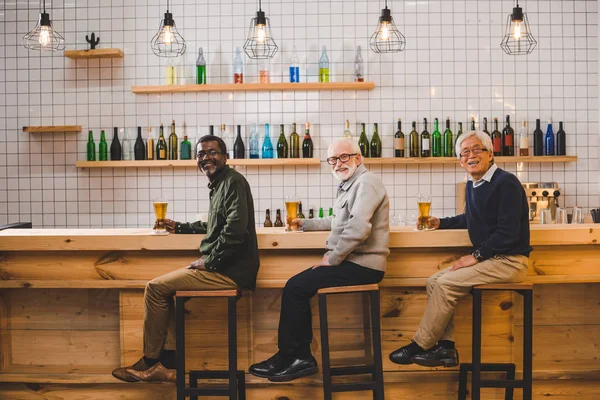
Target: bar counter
71,310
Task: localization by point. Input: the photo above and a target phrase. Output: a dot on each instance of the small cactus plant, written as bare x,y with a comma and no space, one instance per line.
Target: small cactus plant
93,42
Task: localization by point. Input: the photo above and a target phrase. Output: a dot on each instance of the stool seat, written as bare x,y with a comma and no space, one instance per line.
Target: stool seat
349,289
208,293
505,286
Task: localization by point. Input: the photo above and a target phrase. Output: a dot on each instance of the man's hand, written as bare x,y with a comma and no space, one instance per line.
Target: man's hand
168,224
297,224
323,263
198,264
464,262
431,223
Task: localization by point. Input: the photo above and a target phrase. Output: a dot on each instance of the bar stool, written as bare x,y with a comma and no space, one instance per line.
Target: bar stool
375,369
236,388
525,290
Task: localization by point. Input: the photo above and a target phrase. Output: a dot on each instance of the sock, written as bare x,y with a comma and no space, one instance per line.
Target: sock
413,348
168,358
447,344
150,361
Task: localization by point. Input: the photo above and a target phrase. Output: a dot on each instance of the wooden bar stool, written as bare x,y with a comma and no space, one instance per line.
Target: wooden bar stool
525,290
375,369
236,388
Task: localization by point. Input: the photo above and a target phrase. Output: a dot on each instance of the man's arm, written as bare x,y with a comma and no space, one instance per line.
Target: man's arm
317,224
456,222
190,228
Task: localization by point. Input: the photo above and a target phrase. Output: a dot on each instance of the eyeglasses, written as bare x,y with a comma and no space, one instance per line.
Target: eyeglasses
476,151
343,158
211,153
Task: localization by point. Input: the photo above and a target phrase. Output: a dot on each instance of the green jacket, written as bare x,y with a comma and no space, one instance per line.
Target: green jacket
230,246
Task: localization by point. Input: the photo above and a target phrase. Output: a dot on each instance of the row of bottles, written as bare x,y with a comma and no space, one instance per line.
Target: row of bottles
279,222
284,149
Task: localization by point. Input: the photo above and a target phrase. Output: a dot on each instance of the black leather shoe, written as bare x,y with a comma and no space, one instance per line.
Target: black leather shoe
402,356
295,368
266,368
437,357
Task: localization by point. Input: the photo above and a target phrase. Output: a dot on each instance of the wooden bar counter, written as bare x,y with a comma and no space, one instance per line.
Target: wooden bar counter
71,310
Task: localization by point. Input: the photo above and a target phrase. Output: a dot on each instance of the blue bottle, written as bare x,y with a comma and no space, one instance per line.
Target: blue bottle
267,148
254,143
549,140
294,67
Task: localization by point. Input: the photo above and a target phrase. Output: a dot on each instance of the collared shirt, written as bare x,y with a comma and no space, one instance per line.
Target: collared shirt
487,177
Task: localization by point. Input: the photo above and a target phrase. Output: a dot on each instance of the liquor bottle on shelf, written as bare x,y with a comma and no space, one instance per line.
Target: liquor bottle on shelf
282,144
91,147
413,141
496,139
363,142
294,67
375,143
186,149
211,130
399,141
173,142
538,139
115,146
150,145
254,147
460,130
200,68
300,213
473,124
359,67
447,142
263,71
321,214
139,148
126,146
330,211
102,148
485,128
436,140
228,139
294,143
561,141
267,147
238,67
425,141
268,223
161,145
307,143
278,221
549,139
171,72
324,66
508,139
239,150
523,140
347,133
311,213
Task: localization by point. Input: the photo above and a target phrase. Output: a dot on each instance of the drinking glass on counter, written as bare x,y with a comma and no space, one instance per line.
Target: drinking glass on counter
546,216
424,202
561,216
578,215
160,211
291,210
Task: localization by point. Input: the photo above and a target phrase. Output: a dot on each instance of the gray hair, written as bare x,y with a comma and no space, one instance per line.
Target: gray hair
482,136
351,143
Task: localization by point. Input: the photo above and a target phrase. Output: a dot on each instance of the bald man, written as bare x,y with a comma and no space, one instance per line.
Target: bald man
357,250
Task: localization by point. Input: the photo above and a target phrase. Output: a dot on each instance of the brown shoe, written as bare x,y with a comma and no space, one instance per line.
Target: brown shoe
122,374
156,373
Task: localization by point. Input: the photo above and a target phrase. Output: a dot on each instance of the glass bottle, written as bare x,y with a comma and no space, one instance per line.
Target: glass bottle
294,67
186,149
375,143
239,150
126,146
238,67
282,144
91,147
363,142
436,140
425,141
278,221
413,140
102,148
347,133
549,139
460,130
268,223
263,71
173,142
139,148
161,144
399,141
254,152
267,148
561,141
294,143
447,140
473,124
508,139
523,140
359,67
538,140
300,213
485,128
497,139
307,143
115,146
324,66
200,68
171,72
311,213
228,139
321,214
150,145
330,212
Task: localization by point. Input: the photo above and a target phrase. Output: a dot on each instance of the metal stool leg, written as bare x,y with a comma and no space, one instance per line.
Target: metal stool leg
510,375
462,382
527,345
232,339
241,385
180,346
476,374
327,394
378,393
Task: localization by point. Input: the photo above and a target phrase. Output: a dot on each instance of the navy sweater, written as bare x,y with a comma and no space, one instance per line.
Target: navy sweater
497,217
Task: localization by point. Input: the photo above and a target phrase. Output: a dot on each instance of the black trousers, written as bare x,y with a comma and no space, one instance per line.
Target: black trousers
295,323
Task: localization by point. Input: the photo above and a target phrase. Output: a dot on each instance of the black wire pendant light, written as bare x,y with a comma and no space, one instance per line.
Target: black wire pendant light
43,36
168,42
260,43
387,38
517,37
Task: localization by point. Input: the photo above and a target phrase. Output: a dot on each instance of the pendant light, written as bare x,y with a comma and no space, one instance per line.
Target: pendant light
260,43
387,38
168,42
43,36
518,38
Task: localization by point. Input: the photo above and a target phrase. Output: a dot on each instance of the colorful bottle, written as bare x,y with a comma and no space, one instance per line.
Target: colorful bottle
399,141
282,144
523,140
496,139
425,141
239,150
375,143
561,141
238,67
185,149
171,72
294,67
263,71
115,146
448,146
267,148
307,143
549,140
359,67
330,212
150,145
363,142
538,140
321,214
254,151
91,147
436,140
294,143
200,68
103,148
324,66
139,148
161,145
413,140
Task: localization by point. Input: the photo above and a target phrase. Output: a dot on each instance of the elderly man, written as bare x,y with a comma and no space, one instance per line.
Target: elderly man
229,260
496,217
357,249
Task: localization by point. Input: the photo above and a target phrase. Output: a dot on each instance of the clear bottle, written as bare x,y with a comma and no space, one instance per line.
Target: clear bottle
263,71
347,133
171,72
254,152
324,66
200,68
267,147
228,139
238,67
523,140
126,146
359,66
294,67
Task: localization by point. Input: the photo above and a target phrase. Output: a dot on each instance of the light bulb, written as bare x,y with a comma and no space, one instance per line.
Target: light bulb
260,33
167,35
517,31
384,33
44,35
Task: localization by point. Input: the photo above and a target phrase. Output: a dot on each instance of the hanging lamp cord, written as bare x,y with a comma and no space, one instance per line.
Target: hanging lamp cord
44,6
167,5
386,4
259,5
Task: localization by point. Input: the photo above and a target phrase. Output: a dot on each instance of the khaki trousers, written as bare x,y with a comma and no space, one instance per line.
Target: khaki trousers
159,307
446,287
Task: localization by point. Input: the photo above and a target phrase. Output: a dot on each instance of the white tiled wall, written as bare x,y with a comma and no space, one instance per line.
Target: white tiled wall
453,66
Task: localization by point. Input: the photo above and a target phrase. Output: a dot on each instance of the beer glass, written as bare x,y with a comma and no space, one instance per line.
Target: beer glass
546,216
160,211
424,202
561,216
578,215
291,210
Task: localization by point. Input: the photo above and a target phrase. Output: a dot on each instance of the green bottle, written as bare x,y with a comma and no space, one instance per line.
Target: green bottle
91,147
436,140
321,215
375,143
331,211
413,144
200,68
447,140
363,142
282,144
324,66
294,143
102,148
186,149
173,143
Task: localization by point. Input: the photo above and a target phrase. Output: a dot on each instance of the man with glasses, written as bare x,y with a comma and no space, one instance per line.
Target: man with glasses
229,260
496,216
356,254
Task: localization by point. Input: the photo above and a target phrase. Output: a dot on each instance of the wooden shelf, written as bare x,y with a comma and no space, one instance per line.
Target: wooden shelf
96,53
192,163
453,160
254,87
49,129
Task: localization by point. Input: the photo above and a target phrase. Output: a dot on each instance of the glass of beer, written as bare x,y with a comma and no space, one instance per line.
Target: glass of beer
291,210
160,211
424,202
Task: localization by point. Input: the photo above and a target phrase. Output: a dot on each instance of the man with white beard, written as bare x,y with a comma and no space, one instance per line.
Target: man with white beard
357,250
